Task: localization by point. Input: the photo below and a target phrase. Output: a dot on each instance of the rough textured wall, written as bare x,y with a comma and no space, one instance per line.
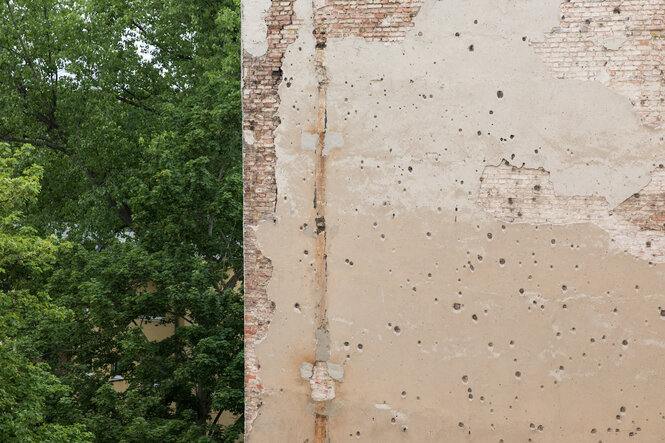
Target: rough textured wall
454,220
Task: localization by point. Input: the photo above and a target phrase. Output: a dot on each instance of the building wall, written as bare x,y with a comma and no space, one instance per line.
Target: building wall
454,220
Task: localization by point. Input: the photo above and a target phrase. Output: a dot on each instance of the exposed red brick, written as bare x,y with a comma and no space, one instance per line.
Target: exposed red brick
262,76
384,21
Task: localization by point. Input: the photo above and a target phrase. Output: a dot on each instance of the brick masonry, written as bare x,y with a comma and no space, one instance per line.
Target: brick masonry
378,20
526,195
261,78
618,43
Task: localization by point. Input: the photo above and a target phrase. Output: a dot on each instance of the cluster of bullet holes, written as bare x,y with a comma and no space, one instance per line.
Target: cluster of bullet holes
539,428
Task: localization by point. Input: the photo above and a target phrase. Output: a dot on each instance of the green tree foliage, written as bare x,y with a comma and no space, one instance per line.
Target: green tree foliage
34,404
134,109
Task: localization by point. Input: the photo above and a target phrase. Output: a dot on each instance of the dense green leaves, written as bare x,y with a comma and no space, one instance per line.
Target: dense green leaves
33,401
133,109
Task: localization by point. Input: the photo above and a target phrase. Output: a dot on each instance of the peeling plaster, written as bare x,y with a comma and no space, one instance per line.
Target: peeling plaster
254,27
457,318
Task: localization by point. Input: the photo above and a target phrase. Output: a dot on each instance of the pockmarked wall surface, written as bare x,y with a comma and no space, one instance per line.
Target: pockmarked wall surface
454,220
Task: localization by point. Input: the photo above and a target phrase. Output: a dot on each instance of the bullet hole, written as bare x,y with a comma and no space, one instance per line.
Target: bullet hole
617,10
475,22
457,34
474,317
499,94
540,428
360,346
625,342
465,379
511,343
305,252
564,288
460,424
397,330
393,420
457,306
524,38
489,236
479,133
403,394
510,200
480,258
662,313
410,169
518,374
471,48
346,344
296,307
491,112
536,188
429,234
648,244
553,241
404,428
502,261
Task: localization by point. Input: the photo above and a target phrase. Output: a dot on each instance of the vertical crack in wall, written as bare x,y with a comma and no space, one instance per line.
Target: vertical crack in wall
322,352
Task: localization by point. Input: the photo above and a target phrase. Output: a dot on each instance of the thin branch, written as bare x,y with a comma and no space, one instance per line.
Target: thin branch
135,104
219,414
45,143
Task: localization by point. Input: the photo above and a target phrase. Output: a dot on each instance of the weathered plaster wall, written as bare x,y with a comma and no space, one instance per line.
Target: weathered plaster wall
454,220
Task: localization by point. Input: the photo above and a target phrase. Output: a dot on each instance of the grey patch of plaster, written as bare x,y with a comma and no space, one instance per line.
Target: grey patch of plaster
336,371
306,370
329,408
322,345
308,141
254,29
333,140
614,43
248,137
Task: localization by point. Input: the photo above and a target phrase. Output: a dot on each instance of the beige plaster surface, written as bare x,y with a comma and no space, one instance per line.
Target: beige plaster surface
453,324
